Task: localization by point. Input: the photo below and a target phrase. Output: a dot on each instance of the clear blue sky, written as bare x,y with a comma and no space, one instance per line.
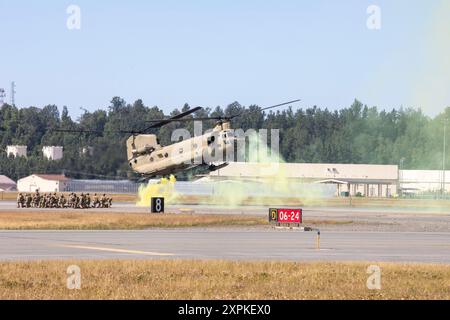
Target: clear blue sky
212,53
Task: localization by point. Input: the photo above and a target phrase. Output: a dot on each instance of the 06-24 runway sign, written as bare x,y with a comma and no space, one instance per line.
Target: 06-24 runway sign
285,215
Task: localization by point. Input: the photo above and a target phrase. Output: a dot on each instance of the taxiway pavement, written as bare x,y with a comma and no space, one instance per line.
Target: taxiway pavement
228,244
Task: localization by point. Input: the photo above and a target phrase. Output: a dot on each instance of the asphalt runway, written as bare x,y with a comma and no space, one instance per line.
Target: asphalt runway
376,234
226,244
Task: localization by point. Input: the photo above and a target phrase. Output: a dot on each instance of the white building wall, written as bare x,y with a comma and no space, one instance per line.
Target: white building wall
371,190
424,180
17,151
309,171
33,183
52,152
381,179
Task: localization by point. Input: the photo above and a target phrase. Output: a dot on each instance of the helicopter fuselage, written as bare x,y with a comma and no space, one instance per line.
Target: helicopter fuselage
149,158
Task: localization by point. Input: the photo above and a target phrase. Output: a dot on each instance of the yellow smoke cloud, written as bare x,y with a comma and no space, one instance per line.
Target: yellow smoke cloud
423,71
273,184
427,76
431,85
165,188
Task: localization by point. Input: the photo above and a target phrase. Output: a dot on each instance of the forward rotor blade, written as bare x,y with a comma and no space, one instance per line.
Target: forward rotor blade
187,119
94,131
178,116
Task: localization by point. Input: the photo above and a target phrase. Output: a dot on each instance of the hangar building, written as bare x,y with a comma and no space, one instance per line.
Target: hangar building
43,183
6,184
350,179
417,181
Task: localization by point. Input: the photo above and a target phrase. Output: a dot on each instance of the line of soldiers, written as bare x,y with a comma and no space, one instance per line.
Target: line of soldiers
52,200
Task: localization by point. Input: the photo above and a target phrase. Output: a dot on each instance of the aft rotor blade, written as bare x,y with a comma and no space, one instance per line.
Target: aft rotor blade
272,107
281,104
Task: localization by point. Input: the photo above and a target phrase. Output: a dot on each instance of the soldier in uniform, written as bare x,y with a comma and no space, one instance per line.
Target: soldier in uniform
82,201
36,199
20,200
48,201
103,201
54,200
96,203
28,200
88,201
42,201
45,200
70,200
77,201
33,200
62,202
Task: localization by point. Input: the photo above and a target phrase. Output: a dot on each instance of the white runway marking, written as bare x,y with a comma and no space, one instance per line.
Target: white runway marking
145,253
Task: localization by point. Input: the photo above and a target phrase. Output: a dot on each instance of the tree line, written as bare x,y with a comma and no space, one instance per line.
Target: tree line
356,134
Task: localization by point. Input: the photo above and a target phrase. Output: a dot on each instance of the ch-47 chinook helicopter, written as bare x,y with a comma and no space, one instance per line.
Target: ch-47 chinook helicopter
147,157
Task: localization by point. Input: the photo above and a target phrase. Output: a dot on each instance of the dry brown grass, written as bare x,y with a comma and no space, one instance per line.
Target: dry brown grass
85,220
178,279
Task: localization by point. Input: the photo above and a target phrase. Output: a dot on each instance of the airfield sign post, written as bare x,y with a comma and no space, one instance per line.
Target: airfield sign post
157,205
288,218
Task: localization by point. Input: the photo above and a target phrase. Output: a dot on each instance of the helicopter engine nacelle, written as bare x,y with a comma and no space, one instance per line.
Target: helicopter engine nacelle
141,145
143,151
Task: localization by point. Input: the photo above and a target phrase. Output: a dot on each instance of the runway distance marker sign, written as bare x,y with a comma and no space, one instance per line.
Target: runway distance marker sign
285,216
157,205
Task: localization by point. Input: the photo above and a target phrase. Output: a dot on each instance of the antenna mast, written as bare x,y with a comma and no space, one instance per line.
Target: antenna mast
13,93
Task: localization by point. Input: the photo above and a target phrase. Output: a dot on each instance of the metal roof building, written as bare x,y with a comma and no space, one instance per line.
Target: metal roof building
6,184
43,183
416,181
365,179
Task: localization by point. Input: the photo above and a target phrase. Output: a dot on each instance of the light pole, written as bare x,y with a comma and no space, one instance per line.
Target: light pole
402,160
443,159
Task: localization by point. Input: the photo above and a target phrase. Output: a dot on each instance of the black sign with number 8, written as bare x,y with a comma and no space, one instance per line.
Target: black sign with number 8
157,205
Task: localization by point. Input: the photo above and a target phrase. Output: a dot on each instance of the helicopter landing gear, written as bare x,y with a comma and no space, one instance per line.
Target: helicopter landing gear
213,167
